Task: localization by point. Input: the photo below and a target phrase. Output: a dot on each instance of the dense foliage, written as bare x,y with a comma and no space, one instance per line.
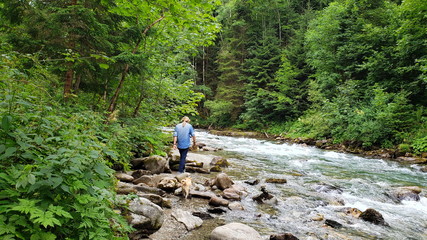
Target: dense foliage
350,70
85,87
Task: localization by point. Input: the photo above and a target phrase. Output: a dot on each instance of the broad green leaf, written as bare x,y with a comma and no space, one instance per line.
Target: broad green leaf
104,66
6,122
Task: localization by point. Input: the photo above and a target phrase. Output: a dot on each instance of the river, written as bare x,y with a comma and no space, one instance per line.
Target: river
361,183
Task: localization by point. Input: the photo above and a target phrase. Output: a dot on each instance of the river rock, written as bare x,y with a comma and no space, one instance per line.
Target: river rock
156,164
168,184
147,189
156,199
123,177
217,210
333,223
235,231
217,201
232,194
223,181
140,172
373,216
264,196
203,215
191,222
252,181
219,161
145,215
285,236
148,180
412,160
200,194
406,193
275,180
196,170
215,169
236,206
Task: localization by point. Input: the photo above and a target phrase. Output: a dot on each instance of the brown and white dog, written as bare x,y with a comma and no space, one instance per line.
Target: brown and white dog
186,184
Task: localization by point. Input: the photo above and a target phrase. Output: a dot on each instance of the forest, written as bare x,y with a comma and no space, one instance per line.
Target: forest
86,86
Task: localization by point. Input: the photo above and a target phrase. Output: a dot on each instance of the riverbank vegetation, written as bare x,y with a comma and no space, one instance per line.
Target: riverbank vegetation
352,71
85,86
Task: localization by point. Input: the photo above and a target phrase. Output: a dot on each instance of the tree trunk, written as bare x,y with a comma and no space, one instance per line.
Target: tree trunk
77,83
68,81
113,101
141,97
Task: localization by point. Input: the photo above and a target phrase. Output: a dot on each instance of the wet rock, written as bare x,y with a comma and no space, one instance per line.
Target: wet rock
235,231
263,196
412,160
196,170
191,222
155,164
217,210
235,206
352,212
333,223
181,176
223,181
373,216
318,217
215,169
194,164
219,161
284,236
145,216
231,193
217,201
406,193
202,215
327,188
252,181
423,169
126,190
124,177
210,149
275,180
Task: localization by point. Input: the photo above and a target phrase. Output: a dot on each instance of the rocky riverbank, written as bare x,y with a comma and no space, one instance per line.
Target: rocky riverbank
157,209
327,144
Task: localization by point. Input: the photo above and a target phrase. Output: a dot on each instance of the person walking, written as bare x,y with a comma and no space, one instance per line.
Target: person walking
182,140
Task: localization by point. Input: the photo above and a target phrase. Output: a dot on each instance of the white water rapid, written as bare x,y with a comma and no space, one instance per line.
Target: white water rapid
361,183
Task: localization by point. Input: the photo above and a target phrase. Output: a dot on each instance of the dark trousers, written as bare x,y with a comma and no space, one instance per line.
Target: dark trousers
183,156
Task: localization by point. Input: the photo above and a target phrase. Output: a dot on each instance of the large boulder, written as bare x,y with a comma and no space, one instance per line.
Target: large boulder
145,216
168,184
235,231
156,164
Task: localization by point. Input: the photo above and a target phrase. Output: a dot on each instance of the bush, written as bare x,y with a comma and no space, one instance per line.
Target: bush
55,182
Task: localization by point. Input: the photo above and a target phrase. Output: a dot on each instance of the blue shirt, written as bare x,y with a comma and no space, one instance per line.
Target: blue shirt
183,134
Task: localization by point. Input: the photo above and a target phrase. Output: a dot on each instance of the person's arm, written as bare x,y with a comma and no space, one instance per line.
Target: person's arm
194,140
175,138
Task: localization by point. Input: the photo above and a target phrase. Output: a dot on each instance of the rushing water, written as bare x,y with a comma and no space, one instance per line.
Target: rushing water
364,183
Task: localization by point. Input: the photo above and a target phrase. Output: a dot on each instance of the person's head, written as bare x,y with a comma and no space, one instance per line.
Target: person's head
185,120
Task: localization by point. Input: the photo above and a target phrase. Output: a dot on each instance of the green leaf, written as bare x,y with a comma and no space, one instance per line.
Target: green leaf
7,228
100,169
6,122
46,219
9,152
58,210
104,66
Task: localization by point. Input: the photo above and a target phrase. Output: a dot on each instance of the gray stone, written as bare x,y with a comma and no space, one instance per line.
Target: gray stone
124,177
191,222
152,216
223,181
235,231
